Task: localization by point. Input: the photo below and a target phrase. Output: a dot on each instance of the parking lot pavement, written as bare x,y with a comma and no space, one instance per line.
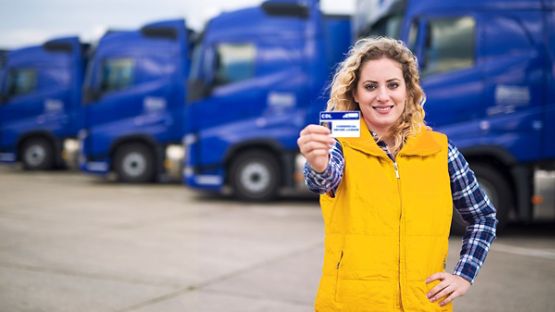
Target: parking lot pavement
71,242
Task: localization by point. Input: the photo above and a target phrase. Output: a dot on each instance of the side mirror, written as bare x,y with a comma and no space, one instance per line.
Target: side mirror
197,89
90,95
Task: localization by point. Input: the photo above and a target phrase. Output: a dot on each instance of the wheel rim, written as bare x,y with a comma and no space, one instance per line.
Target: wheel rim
134,164
489,189
255,177
35,155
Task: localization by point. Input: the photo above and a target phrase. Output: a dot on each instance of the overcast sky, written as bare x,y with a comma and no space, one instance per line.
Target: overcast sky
28,22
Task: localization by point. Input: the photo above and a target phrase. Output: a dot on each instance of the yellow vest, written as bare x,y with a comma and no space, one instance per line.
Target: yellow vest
387,227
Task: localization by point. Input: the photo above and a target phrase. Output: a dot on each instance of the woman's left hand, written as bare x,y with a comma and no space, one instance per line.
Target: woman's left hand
452,285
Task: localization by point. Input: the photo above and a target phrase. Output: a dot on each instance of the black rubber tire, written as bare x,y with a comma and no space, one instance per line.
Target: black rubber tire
497,189
255,176
134,163
37,154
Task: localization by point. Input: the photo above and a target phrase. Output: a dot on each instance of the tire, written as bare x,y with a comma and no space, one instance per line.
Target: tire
134,163
497,189
255,176
37,154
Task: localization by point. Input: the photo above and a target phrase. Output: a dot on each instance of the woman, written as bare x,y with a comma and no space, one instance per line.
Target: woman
388,195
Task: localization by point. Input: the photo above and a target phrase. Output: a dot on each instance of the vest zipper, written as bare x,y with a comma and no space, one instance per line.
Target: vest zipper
340,258
337,274
400,226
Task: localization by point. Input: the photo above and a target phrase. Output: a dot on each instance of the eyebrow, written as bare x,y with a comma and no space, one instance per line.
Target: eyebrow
389,80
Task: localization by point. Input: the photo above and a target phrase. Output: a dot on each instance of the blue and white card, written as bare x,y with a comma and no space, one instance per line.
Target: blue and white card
342,124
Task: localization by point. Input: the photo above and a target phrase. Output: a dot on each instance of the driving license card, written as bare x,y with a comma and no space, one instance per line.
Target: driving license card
342,124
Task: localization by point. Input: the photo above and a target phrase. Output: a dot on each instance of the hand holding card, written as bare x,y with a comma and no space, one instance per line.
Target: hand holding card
315,143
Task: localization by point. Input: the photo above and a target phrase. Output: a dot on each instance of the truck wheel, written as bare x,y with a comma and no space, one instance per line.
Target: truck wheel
37,154
498,191
255,176
134,163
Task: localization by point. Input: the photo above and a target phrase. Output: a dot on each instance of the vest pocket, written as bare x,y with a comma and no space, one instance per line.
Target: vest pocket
337,274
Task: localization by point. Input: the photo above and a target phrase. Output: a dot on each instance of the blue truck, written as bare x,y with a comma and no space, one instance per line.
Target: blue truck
40,102
488,71
134,101
258,76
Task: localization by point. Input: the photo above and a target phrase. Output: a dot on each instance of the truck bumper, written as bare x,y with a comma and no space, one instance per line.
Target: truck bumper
7,158
208,182
94,167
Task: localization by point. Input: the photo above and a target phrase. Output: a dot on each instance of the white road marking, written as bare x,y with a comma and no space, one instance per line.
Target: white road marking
530,252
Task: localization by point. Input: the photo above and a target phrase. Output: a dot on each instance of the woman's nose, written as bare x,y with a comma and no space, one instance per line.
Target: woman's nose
382,95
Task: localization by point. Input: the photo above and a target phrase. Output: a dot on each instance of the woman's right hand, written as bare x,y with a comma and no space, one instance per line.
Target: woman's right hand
315,143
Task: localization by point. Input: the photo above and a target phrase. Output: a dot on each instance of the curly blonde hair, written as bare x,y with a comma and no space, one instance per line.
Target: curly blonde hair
347,77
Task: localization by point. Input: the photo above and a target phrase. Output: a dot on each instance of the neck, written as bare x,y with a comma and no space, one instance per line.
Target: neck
383,133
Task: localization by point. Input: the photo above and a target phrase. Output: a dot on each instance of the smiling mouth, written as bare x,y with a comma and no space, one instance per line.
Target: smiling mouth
383,109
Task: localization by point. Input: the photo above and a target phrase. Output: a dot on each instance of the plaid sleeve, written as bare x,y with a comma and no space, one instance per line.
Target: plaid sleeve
476,209
327,181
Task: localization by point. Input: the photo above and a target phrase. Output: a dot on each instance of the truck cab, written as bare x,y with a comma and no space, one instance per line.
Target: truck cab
134,101
257,78
487,69
40,111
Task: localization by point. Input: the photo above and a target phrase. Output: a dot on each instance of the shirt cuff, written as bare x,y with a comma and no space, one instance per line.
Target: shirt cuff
466,270
319,175
318,182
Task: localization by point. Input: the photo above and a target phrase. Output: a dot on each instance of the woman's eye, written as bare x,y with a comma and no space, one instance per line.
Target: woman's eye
370,87
393,85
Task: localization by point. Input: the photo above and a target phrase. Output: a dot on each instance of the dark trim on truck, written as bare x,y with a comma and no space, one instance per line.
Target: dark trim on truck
286,9
56,46
159,32
520,176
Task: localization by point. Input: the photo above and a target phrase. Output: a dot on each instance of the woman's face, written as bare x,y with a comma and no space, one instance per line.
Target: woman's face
381,93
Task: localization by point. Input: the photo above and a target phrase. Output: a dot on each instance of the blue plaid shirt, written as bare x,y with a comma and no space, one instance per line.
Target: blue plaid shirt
468,199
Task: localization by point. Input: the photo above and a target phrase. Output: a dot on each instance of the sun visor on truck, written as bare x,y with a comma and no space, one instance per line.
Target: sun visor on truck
159,32
276,8
57,46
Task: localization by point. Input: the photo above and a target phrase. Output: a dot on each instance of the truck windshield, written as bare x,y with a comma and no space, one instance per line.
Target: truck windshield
379,18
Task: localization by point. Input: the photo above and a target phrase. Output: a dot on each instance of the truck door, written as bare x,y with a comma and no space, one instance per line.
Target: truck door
447,49
20,104
36,92
549,74
114,98
136,91
514,62
233,99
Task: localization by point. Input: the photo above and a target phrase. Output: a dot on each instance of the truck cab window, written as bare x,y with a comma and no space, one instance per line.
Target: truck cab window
450,45
413,31
21,82
233,63
117,74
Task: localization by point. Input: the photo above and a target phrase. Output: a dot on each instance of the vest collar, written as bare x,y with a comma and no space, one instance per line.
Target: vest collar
365,143
422,144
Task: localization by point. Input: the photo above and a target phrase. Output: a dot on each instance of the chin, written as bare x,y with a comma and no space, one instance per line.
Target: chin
384,123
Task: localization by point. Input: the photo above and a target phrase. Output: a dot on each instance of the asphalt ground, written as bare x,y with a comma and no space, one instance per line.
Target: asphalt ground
71,242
